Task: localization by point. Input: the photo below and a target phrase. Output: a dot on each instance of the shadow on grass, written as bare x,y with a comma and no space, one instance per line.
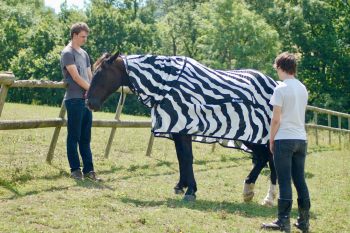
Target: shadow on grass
249,210
10,186
221,160
93,184
17,194
309,175
237,208
171,165
175,172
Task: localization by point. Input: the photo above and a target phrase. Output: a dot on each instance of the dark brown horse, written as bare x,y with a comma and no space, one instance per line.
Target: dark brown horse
110,73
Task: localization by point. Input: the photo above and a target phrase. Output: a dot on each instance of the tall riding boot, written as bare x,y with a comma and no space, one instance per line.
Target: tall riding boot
304,215
248,192
270,196
283,221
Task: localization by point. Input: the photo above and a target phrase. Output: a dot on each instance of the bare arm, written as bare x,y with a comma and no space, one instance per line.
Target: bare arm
73,71
89,73
275,124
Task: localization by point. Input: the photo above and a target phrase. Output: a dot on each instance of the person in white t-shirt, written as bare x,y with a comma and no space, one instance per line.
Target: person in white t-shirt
288,144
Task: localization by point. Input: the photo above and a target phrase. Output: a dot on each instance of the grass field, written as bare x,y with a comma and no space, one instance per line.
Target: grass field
137,194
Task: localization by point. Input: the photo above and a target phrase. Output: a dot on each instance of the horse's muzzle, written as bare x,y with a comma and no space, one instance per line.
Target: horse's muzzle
93,104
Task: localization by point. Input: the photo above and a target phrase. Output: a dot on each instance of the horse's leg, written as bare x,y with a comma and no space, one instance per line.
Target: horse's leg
261,159
183,145
179,187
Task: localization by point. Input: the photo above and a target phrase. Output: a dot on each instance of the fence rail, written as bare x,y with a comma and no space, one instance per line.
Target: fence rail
54,122
7,80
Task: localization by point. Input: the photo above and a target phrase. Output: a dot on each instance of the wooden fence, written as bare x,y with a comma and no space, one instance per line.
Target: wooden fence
7,80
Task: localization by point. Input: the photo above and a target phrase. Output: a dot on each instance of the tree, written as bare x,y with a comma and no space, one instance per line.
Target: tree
179,30
234,37
318,31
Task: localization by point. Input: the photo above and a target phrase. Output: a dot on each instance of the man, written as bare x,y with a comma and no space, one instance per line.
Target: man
288,144
76,69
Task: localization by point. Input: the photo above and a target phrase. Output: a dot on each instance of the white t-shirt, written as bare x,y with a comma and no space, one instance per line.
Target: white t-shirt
292,96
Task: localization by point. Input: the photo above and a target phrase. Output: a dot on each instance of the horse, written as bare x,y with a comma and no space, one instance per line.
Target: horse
189,102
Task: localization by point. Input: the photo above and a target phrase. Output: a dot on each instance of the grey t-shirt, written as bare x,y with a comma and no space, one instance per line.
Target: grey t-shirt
81,59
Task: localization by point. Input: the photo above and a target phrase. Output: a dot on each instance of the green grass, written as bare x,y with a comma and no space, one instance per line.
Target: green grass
137,194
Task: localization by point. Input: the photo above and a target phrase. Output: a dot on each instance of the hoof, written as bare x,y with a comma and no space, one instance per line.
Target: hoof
179,190
190,194
267,203
248,197
248,192
189,198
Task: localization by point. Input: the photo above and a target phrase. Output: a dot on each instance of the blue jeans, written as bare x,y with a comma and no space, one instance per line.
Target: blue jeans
79,133
289,158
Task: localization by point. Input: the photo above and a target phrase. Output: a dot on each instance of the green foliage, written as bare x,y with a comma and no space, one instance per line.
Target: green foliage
179,30
28,65
224,34
326,55
235,37
122,29
319,32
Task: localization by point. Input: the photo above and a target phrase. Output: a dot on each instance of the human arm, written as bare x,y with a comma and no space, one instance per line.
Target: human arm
89,72
73,71
275,124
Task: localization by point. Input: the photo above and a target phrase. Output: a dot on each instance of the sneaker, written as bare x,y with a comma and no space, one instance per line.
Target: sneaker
92,176
77,175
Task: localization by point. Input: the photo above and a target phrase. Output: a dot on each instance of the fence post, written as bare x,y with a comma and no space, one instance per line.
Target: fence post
117,117
316,131
329,131
150,145
54,139
213,147
349,128
7,79
339,126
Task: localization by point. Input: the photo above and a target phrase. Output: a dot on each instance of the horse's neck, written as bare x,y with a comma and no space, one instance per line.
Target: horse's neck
121,67
157,68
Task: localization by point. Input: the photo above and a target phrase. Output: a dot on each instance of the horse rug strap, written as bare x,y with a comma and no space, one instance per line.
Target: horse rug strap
186,97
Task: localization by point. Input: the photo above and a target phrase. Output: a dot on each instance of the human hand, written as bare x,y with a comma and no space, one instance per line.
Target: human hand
272,146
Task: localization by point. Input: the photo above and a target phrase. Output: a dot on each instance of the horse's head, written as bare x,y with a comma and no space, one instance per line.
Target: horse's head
109,74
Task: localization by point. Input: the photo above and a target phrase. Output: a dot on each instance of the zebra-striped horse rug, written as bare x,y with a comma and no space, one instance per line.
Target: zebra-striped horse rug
186,97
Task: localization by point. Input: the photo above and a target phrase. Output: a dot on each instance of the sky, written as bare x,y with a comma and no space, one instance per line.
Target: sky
55,4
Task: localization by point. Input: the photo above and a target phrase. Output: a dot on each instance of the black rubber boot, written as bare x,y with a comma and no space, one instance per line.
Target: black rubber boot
283,221
304,215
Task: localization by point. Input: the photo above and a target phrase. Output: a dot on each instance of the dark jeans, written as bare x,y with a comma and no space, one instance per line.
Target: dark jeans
289,157
261,155
79,133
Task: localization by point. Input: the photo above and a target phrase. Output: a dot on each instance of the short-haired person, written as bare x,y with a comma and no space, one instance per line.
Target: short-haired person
76,69
288,143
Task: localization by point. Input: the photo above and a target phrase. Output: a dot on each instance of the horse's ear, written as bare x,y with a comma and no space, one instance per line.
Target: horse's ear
113,57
